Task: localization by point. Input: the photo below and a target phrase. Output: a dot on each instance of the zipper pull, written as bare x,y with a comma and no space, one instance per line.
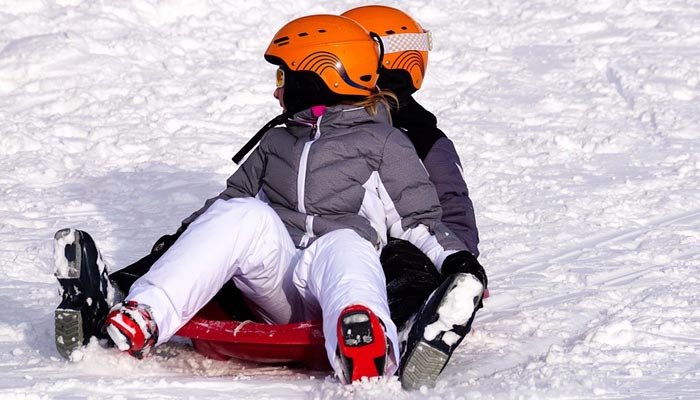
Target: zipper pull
317,127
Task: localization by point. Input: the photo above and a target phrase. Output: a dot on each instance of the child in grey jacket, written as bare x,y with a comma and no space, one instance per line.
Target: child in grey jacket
301,223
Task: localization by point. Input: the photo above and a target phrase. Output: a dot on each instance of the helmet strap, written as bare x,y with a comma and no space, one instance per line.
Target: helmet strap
379,41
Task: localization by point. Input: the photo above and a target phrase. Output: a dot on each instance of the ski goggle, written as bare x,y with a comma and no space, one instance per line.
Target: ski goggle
280,78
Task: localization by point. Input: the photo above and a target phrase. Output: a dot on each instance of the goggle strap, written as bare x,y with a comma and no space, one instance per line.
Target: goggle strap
407,41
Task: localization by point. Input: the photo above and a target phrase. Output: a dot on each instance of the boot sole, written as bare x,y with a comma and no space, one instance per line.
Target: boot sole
67,254
423,367
425,362
462,282
68,319
362,344
69,331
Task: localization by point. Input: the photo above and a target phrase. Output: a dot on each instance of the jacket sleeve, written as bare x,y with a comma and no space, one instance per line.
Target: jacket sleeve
445,170
245,182
442,162
411,204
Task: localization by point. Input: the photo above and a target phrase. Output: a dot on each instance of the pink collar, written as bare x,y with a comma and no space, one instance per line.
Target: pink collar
317,111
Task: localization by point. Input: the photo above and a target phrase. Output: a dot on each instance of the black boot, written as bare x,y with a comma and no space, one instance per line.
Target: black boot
410,278
438,328
86,291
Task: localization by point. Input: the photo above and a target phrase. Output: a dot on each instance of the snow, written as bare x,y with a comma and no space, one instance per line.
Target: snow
63,266
577,123
455,309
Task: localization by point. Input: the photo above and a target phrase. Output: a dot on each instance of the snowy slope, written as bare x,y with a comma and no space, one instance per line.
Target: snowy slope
578,126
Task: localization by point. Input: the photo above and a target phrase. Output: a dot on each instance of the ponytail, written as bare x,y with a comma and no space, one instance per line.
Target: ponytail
372,102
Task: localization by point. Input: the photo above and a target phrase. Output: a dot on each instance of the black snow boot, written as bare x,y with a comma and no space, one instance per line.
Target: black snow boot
437,329
86,292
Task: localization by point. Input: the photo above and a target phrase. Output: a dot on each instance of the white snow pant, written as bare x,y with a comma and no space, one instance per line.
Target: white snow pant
245,240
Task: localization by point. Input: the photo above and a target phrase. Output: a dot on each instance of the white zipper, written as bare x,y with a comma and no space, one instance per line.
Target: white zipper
301,182
309,231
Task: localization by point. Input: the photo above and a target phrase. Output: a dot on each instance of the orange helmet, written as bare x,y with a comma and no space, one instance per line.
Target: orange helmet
406,43
336,49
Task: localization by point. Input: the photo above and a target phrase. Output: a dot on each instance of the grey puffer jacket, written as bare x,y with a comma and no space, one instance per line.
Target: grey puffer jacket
344,169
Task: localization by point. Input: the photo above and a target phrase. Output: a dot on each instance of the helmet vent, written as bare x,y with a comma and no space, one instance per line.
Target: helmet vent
366,78
321,31
281,41
302,34
390,32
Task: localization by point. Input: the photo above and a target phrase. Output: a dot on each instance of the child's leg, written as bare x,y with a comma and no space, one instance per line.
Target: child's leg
240,239
340,269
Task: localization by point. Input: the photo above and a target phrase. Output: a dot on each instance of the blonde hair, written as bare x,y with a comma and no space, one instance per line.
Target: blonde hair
384,97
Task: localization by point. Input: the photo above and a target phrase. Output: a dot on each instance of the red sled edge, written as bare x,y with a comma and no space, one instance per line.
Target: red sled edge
215,336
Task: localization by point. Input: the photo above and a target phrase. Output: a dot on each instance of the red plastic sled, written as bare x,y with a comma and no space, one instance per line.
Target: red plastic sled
216,336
